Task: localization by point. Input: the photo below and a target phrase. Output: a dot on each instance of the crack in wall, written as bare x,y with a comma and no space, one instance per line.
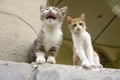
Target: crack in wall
18,17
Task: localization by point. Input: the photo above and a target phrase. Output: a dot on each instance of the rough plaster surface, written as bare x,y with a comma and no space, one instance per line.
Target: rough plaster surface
24,71
67,72
19,25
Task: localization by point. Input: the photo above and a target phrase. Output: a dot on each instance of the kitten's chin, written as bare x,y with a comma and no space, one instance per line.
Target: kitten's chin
78,32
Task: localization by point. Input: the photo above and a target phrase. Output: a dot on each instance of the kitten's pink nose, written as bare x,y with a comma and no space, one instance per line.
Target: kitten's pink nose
78,29
50,10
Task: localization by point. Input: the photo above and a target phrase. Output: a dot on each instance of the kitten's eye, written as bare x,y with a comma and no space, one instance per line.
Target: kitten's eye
55,9
80,23
74,25
47,9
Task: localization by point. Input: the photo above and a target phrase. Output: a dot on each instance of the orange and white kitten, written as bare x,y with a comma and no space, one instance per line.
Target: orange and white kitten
83,50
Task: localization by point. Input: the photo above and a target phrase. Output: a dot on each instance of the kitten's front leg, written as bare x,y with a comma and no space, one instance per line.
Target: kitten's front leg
84,61
40,57
51,59
52,54
39,49
97,61
85,64
89,52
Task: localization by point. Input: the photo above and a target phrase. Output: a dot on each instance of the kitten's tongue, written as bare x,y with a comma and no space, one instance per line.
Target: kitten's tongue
50,15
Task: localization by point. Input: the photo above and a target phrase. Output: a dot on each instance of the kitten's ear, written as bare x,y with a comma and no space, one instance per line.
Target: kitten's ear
82,16
69,19
42,8
64,10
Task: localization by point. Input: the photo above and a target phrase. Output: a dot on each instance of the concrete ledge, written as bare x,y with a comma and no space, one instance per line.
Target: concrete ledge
24,71
15,71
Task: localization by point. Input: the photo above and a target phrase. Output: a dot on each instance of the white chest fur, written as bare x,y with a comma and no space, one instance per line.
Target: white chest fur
84,49
52,37
81,39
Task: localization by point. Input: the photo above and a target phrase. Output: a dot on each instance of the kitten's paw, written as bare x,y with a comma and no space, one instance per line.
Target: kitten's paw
99,66
93,65
85,64
51,59
40,60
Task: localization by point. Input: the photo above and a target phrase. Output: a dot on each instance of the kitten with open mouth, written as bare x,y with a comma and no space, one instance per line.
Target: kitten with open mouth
53,15
50,15
49,40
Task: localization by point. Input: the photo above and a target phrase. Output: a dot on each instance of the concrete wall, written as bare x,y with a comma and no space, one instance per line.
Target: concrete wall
19,25
23,71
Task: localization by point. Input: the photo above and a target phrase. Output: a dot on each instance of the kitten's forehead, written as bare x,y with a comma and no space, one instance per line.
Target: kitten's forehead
51,7
76,20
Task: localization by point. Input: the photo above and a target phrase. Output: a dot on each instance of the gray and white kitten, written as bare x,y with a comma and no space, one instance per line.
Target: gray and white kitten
47,45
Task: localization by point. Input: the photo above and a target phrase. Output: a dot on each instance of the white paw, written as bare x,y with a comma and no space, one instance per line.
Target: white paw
85,64
99,66
40,60
51,59
93,65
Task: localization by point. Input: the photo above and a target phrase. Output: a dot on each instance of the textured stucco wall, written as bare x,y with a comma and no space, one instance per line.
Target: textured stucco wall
19,25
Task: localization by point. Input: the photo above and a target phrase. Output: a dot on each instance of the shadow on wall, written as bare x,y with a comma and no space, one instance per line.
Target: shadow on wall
65,54
107,59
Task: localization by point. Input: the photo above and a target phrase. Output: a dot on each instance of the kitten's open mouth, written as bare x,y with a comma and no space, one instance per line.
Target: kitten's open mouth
50,15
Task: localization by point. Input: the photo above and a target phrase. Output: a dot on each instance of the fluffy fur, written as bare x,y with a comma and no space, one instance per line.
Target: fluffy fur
83,50
46,46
